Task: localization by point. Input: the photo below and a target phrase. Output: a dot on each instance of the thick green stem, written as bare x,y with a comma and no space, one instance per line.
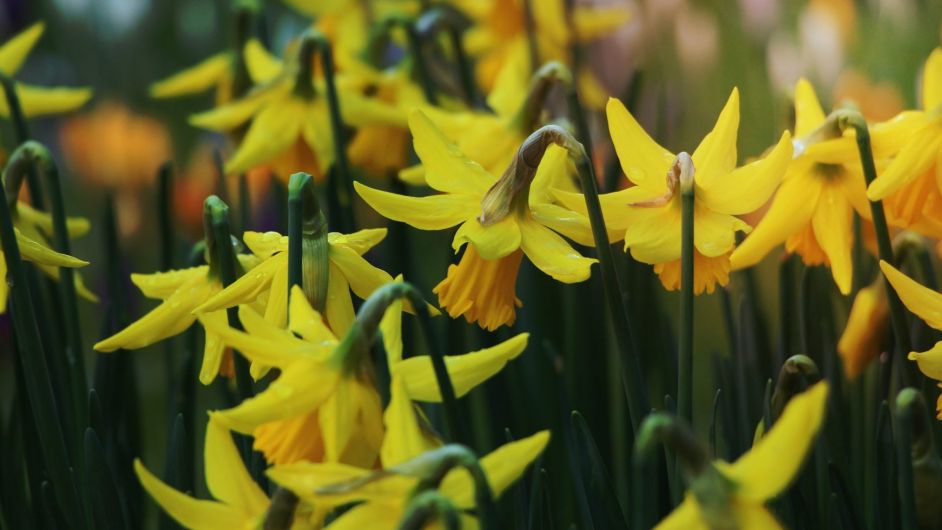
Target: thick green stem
307,241
241,80
632,373
684,166
904,463
21,133
165,215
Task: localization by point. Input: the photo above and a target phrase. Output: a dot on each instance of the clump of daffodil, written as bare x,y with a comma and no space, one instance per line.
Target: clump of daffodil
733,495
34,100
289,115
909,186
500,33
649,213
324,405
927,305
415,466
502,219
240,502
181,291
866,329
812,212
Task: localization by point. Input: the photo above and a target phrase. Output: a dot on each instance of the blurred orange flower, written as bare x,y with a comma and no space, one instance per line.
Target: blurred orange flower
877,101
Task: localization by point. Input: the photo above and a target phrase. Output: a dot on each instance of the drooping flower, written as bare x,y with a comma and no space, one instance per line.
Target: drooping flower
324,406
35,100
812,212
240,502
501,220
347,271
648,214
867,326
734,495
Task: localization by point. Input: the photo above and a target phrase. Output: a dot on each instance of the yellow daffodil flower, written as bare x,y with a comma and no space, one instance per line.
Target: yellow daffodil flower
384,500
39,253
324,406
500,32
348,270
648,214
908,186
866,329
240,503
501,219
927,305
180,291
812,213
34,100
759,475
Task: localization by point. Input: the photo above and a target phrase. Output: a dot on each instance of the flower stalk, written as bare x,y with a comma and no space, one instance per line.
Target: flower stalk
435,20
683,170
307,241
21,133
905,403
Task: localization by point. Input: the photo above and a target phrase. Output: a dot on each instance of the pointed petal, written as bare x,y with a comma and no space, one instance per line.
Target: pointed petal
339,310
360,241
14,51
34,251
833,224
234,114
337,419
404,438
916,157
198,78
714,234
275,128
745,189
319,136
362,277
655,238
189,512
644,161
307,322
513,82
716,154
372,515
360,111
466,371
434,212
573,225
808,112
170,318
491,242
768,468
281,351
931,81
244,290
755,515
922,301
261,64
447,169
305,478
226,476
685,517
276,312
264,244
75,226
930,361
552,254
42,101
214,349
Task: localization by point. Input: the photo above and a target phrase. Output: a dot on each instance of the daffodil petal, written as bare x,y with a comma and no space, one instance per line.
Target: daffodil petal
318,135
716,154
434,212
234,114
493,241
280,352
404,438
276,313
362,277
768,468
264,244
14,51
808,112
305,321
246,289
75,226
274,129
372,515
685,517
745,189
552,254
337,419
226,476
512,84
922,301
339,310
655,237
929,361
213,349
714,234
195,79
833,228
261,64
573,225
161,285
41,101
931,81
447,169
916,157
170,318
32,250
644,161
306,478
754,515
360,241
553,172
189,512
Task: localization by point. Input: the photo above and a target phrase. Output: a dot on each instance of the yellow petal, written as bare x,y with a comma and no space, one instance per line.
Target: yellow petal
808,112
655,238
261,64
716,154
318,134
573,225
14,51
276,312
685,517
447,169
263,344
404,438
745,189
32,250
339,310
360,111
264,244
362,277
198,78
360,241
301,388
862,339
553,172
214,348
234,114
275,128
434,212
930,361
644,161
337,419
466,371
75,226
594,22
189,512
170,318
226,476
307,322
754,515
931,81
414,175
491,242
513,81
768,468
791,209
246,289
502,466
372,515
922,301
714,234
833,222
552,254
916,157
305,478
42,101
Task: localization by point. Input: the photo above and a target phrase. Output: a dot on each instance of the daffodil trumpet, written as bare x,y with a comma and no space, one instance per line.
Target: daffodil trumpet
851,119
308,248
216,212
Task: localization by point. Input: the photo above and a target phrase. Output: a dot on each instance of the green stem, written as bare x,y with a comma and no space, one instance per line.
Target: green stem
241,80
850,118
36,373
685,350
632,374
414,42
426,28
904,463
308,249
21,134
165,215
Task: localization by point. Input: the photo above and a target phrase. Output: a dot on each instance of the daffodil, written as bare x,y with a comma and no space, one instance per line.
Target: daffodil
500,32
384,498
649,213
927,305
812,213
240,502
44,257
289,116
909,186
180,291
502,219
867,324
725,495
34,100
324,406
347,270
